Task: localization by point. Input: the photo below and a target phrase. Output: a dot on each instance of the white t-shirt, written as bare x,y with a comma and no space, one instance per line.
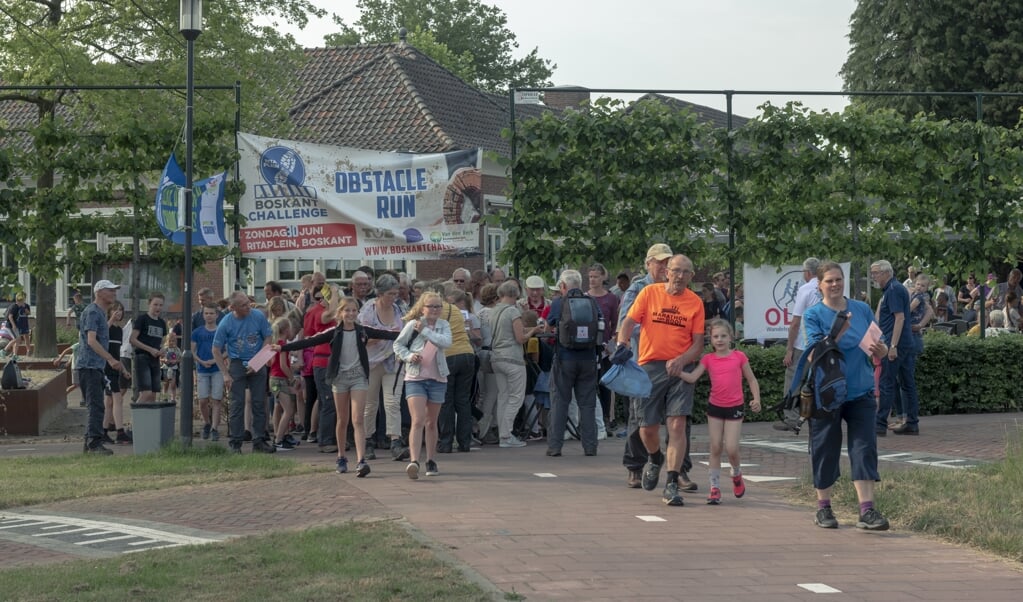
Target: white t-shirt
807,296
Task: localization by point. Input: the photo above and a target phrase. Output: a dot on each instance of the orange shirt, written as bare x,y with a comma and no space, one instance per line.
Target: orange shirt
670,322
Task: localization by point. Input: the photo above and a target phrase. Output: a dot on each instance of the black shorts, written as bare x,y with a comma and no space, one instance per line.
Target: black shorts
725,413
114,377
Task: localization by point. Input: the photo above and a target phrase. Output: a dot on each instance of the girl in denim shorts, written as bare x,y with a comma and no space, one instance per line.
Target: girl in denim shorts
282,386
421,347
348,373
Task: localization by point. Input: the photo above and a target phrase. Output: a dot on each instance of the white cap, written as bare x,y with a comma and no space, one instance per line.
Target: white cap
535,282
103,285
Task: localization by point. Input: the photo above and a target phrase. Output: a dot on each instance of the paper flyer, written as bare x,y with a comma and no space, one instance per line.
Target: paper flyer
870,337
262,358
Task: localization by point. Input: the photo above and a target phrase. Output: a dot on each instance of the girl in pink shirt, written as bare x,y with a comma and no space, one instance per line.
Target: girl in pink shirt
727,368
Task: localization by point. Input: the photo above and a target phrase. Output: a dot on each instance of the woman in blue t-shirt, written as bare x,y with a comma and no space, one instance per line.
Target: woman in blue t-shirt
858,412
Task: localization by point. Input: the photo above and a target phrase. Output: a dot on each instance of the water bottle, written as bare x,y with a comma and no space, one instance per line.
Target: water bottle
806,401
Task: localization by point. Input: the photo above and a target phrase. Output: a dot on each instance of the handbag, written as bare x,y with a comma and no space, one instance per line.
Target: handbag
627,379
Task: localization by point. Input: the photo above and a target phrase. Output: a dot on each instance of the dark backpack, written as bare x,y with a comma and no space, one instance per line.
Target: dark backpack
11,378
824,388
579,322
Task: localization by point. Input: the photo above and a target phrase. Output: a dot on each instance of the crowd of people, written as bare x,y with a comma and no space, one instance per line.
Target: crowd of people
429,368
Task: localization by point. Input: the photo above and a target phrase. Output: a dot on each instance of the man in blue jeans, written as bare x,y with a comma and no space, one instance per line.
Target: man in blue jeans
240,335
575,371
899,365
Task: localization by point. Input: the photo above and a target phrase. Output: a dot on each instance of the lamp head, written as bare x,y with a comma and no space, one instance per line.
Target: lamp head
191,18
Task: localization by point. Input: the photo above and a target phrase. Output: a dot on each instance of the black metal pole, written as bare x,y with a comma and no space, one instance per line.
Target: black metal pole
186,319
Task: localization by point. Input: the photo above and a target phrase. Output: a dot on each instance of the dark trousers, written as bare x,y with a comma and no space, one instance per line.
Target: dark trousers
455,421
580,378
326,434
91,382
311,395
896,376
255,382
635,455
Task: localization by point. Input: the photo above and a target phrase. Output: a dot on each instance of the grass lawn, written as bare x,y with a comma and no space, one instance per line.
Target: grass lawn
30,481
355,561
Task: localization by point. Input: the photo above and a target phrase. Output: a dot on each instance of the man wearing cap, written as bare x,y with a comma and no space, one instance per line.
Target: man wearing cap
93,357
239,337
535,300
672,318
635,456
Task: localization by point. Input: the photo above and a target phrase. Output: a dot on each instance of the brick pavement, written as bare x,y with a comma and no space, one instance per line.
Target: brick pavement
576,535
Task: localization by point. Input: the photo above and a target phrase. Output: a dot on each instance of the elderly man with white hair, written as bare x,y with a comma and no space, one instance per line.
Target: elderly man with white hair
899,366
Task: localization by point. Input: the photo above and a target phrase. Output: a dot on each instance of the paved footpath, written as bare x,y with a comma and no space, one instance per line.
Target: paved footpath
567,528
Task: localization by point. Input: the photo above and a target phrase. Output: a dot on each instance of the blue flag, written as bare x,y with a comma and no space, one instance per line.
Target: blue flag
208,227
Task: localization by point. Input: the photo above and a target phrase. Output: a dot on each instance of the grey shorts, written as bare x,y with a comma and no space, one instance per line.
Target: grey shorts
210,385
669,396
350,380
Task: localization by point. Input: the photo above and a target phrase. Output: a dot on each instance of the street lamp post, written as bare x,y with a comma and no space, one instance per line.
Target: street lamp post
190,27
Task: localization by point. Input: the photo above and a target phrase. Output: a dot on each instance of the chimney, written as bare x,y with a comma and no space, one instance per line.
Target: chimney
566,97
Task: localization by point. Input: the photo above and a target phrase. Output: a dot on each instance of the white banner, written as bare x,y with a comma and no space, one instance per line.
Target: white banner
770,293
311,200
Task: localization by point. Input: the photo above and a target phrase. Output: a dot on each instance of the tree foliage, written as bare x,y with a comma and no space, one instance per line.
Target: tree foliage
74,150
466,36
938,45
853,186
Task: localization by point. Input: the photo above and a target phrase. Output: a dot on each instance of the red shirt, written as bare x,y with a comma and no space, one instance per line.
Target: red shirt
313,325
275,365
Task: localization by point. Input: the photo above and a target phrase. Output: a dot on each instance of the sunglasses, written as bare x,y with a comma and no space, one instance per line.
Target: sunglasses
459,281
318,298
434,306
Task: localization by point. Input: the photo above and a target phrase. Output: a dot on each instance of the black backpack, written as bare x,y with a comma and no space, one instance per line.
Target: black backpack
824,388
11,378
579,322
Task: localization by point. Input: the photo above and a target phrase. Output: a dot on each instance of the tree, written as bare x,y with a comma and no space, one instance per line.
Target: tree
451,32
606,183
75,147
938,45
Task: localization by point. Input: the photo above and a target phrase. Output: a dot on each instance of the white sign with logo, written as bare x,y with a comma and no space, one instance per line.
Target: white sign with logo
312,200
770,293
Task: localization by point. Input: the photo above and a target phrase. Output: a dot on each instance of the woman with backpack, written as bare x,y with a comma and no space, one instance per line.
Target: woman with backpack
858,410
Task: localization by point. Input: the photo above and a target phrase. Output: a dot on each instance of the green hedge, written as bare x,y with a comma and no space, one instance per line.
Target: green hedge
954,375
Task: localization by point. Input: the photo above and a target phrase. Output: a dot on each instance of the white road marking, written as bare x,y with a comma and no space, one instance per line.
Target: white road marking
25,523
819,588
742,465
545,475
89,542
766,479
52,533
84,524
649,518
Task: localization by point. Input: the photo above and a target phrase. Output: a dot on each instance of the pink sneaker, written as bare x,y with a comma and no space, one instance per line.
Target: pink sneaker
715,496
738,487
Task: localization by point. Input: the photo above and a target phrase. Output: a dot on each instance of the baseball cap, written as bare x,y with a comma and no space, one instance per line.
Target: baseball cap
103,285
535,282
660,251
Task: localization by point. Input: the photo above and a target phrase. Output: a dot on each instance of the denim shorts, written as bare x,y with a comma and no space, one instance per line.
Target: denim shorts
350,380
432,390
210,385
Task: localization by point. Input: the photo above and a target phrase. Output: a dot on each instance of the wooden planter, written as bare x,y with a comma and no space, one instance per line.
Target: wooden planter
28,411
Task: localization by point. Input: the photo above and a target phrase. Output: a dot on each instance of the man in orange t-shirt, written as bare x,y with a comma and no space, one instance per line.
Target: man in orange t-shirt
672,319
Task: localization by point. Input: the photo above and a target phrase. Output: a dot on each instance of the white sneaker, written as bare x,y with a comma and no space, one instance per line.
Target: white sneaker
512,441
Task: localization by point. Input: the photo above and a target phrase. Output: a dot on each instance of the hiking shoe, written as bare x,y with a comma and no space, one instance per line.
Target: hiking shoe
554,453
285,445
342,465
312,438
905,429
512,441
671,496
826,519
635,480
247,436
106,438
872,520
370,453
491,438
431,468
98,449
399,452
292,440
412,470
298,429
684,484
738,486
651,474
206,428
263,447
715,496
361,469
214,435
124,437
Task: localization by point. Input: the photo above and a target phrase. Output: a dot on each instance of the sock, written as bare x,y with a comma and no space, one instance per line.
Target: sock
864,506
822,504
673,476
715,477
657,457
736,471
